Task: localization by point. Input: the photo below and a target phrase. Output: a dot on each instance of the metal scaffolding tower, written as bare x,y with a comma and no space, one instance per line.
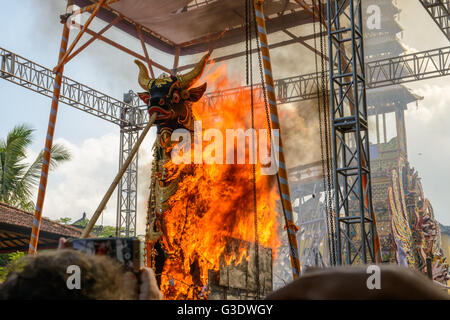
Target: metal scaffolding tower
127,188
439,10
355,232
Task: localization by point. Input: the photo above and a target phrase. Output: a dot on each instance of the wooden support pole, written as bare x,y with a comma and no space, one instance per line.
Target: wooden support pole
116,180
282,176
34,239
176,59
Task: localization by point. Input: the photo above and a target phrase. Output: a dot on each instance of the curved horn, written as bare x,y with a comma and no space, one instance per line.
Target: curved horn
187,80
144,79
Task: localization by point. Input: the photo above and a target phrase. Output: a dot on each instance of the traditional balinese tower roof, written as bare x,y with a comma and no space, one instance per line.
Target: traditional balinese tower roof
384,43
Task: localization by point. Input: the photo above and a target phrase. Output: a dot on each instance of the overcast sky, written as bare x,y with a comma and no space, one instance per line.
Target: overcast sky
31,29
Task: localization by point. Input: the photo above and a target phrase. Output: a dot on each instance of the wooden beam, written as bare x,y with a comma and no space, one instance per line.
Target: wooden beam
144,48
176,59
313,11
92,7
302,41
84,46
62,61
126,50
242,53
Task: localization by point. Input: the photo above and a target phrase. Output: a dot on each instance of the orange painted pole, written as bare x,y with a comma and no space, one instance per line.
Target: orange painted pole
48,143
282,175
78,37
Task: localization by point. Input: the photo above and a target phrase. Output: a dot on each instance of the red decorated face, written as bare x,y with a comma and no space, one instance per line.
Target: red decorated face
170,102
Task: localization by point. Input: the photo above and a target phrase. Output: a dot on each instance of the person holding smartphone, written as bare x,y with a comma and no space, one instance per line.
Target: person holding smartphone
73,275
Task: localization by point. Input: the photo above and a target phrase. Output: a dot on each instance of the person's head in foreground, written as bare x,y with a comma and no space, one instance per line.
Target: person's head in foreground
51,275
48,276
361,282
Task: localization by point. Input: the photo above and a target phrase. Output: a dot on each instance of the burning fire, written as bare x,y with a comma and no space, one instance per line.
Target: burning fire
215,202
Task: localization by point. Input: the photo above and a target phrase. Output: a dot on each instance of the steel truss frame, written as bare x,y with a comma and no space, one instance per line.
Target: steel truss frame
412,67
126,224
33,76
439,10
381,73
135,119
349,129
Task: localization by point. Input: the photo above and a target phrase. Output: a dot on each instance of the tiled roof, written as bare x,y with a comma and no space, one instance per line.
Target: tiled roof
14,216
445,229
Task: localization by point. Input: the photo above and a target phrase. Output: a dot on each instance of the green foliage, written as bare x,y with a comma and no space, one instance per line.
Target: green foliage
106,232
19,179
65,221
7,260
99,231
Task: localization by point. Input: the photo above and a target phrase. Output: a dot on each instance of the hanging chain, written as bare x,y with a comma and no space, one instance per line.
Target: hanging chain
327,114
324,133
247,32
322,157
249,74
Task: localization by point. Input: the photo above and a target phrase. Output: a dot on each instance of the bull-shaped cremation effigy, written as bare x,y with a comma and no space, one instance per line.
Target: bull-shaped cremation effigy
171,97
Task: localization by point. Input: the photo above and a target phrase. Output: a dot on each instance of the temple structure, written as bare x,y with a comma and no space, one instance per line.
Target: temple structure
408,231
389,143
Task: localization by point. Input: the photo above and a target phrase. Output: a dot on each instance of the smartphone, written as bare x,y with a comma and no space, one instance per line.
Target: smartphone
124,250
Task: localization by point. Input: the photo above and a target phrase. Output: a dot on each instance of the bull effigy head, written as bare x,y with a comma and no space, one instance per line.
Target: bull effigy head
171,96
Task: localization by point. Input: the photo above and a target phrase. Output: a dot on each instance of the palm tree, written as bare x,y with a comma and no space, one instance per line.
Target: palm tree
19,179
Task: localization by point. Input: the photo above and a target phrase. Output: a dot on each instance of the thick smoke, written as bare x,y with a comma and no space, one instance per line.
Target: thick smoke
300,133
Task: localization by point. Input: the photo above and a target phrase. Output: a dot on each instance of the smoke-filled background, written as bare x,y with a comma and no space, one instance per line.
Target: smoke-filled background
78,186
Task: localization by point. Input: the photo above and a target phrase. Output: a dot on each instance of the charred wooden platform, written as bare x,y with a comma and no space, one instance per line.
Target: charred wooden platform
238,279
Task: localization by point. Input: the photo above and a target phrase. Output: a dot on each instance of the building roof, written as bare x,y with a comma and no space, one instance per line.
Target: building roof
388,99
444,229
16,225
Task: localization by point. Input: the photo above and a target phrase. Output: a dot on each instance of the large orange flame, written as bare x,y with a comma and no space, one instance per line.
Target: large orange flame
215,202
